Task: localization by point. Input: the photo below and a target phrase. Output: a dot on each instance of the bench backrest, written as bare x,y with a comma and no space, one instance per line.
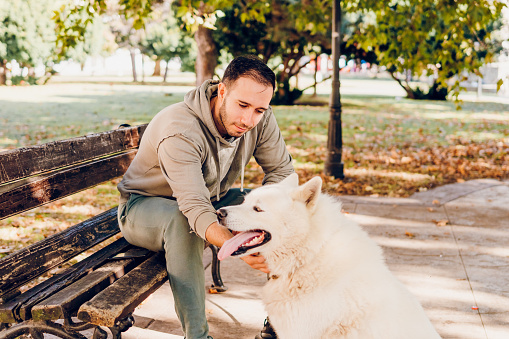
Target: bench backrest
33,176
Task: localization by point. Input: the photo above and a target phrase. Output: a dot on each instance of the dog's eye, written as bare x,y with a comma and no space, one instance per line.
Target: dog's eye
257,209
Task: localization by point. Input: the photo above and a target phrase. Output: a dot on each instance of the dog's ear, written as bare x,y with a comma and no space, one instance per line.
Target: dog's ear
291,181
309,192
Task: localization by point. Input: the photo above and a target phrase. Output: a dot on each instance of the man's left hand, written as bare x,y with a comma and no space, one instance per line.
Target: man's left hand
257,262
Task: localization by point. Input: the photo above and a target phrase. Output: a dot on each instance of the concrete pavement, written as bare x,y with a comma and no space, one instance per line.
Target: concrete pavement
449,246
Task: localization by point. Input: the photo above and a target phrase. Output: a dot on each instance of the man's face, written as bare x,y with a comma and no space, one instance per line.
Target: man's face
241,106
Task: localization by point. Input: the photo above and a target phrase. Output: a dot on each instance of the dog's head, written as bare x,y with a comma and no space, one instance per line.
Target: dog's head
270,216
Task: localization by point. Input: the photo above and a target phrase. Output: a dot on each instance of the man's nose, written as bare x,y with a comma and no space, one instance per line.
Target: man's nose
247,119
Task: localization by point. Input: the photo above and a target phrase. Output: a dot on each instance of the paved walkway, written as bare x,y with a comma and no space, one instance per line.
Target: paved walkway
449,246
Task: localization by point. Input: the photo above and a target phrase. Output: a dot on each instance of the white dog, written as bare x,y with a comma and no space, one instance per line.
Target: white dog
328,278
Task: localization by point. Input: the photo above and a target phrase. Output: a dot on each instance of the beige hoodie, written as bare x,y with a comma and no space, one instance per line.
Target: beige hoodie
179,157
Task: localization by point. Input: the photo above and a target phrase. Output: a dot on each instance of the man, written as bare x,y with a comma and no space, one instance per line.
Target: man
190,155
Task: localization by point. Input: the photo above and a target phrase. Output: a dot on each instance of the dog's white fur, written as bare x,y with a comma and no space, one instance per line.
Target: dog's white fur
329,279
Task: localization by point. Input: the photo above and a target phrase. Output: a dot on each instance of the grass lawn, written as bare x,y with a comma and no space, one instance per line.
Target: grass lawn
392,146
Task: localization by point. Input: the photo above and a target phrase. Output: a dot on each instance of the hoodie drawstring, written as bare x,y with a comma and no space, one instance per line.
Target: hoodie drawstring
243,163
218,165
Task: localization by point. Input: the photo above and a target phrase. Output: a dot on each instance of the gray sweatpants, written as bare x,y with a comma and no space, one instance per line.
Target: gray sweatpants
157,224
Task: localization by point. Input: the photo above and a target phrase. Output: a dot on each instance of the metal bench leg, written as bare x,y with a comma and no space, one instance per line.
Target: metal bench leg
122,326
216,272
37,328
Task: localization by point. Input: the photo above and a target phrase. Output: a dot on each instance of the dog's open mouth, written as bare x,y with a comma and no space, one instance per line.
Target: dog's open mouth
242,242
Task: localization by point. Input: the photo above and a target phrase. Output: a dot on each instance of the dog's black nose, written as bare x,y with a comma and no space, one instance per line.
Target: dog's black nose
221,214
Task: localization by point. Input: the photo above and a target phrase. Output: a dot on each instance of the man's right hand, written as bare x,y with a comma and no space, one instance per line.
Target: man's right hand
217,234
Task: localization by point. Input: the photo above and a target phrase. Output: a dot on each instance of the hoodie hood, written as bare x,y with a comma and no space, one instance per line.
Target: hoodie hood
198,100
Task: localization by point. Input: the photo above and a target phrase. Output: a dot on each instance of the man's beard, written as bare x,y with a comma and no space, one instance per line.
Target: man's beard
223,120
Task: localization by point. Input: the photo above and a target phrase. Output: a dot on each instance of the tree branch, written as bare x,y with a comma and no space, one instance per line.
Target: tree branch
408,90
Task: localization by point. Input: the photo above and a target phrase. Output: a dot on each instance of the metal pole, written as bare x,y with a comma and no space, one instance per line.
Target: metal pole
333,165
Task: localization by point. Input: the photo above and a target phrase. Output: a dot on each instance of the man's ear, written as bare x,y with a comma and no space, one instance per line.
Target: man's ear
221,91
309,192
290,181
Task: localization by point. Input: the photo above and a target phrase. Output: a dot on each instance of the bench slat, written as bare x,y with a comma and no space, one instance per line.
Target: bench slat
71,275
46,188
120,299
28,161
36,259
71,298
19,308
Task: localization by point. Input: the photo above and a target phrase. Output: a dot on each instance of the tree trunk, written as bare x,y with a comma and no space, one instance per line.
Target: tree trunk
133,64
314,76
3,73
143,68
206,60
166,71
157,69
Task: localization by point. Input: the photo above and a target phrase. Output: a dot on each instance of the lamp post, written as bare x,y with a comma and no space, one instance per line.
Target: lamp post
333,165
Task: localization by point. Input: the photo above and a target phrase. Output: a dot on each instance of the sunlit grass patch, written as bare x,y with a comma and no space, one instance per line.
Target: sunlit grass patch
391,146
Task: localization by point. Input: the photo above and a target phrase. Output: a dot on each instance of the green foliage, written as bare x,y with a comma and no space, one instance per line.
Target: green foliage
26,32
443,39
73,18
289,32
196,13
164,40
93,43
21,80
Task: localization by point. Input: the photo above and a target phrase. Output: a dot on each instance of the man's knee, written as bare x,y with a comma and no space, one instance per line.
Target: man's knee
148,219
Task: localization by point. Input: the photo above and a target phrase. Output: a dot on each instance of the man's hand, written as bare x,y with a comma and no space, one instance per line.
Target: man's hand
217,235
257,262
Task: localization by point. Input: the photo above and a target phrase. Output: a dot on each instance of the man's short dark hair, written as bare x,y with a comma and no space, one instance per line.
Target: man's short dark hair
249,66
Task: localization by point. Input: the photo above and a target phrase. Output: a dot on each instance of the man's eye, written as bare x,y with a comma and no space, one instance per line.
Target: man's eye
257,209
242,105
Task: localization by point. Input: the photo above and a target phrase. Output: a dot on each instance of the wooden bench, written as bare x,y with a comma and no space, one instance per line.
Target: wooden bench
104,288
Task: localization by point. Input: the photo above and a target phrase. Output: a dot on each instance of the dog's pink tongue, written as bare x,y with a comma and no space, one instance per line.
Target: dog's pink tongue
234,243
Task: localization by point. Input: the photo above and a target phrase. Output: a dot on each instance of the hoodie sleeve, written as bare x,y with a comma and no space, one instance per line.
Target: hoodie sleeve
180,161
271,153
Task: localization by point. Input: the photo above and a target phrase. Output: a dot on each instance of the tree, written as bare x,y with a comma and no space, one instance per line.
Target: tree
443,39
199,16
26,34
453,36
164,40
288,33
126,36
93,43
